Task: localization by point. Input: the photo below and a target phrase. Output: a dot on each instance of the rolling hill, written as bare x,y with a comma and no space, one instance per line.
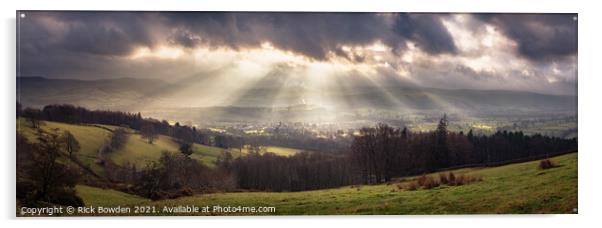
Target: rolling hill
260,102
514,188
136,149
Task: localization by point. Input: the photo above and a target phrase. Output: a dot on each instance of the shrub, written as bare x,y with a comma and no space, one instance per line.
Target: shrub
443,178
66,197
158,195
399,186
412,186
452,178
430,182
186,191
460,180
421,180
546,164
463,180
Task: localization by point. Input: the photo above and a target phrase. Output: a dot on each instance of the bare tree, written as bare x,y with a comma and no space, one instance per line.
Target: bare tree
71,144
148,132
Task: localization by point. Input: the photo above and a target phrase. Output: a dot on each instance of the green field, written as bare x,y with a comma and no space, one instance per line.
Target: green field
90,139
136,150
107,197
282,151
515,188
139,152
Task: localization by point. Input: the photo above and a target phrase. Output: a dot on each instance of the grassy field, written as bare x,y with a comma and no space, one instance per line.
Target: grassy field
515,188
90,139
139,152
282,151
136,150
108,197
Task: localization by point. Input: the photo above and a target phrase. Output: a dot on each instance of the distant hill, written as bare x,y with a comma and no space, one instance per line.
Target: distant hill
94,94
197,100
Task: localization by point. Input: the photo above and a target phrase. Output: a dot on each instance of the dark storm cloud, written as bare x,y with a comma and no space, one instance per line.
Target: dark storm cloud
311,34
92,45
539,36
102,33
427,31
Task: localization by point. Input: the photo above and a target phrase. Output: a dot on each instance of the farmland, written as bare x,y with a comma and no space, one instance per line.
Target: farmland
515,188
136,150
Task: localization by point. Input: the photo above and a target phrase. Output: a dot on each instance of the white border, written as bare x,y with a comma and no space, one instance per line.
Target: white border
589,111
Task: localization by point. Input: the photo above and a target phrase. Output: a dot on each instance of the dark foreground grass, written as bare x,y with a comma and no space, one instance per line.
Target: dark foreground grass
516,188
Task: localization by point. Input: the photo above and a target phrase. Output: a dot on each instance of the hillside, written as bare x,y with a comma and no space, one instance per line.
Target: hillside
515,188
136,150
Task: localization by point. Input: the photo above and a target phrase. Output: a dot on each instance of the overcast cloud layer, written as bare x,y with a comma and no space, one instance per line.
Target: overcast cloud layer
530,52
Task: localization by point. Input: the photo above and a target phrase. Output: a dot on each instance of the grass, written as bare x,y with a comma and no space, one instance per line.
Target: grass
107,197
282,151
207,154
136,150
139,152
515,188
90,139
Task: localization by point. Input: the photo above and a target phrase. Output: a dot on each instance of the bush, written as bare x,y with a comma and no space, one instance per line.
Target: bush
67,197
460,180
400,186
421,180
186,191
158,195
546,164
452,178
443,178
412,186
430,182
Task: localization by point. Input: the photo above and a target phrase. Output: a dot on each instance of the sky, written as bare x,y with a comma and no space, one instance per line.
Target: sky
525,52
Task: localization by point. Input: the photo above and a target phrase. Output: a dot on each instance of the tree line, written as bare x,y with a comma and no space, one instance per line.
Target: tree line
148,128
382,152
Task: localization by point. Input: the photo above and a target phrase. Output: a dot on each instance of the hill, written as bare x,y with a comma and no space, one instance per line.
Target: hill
136,149
95,94
515,188
173,101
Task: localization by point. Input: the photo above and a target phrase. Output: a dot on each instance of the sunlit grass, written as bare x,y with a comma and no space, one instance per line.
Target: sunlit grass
515,188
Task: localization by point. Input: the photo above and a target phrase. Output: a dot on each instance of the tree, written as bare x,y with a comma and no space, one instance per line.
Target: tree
34,122
19,109
186,149
71,144
118,139
148,132
48,180
440,156
224,160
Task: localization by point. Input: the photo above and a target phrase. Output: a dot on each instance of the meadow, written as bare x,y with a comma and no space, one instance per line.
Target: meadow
136,150
515,188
